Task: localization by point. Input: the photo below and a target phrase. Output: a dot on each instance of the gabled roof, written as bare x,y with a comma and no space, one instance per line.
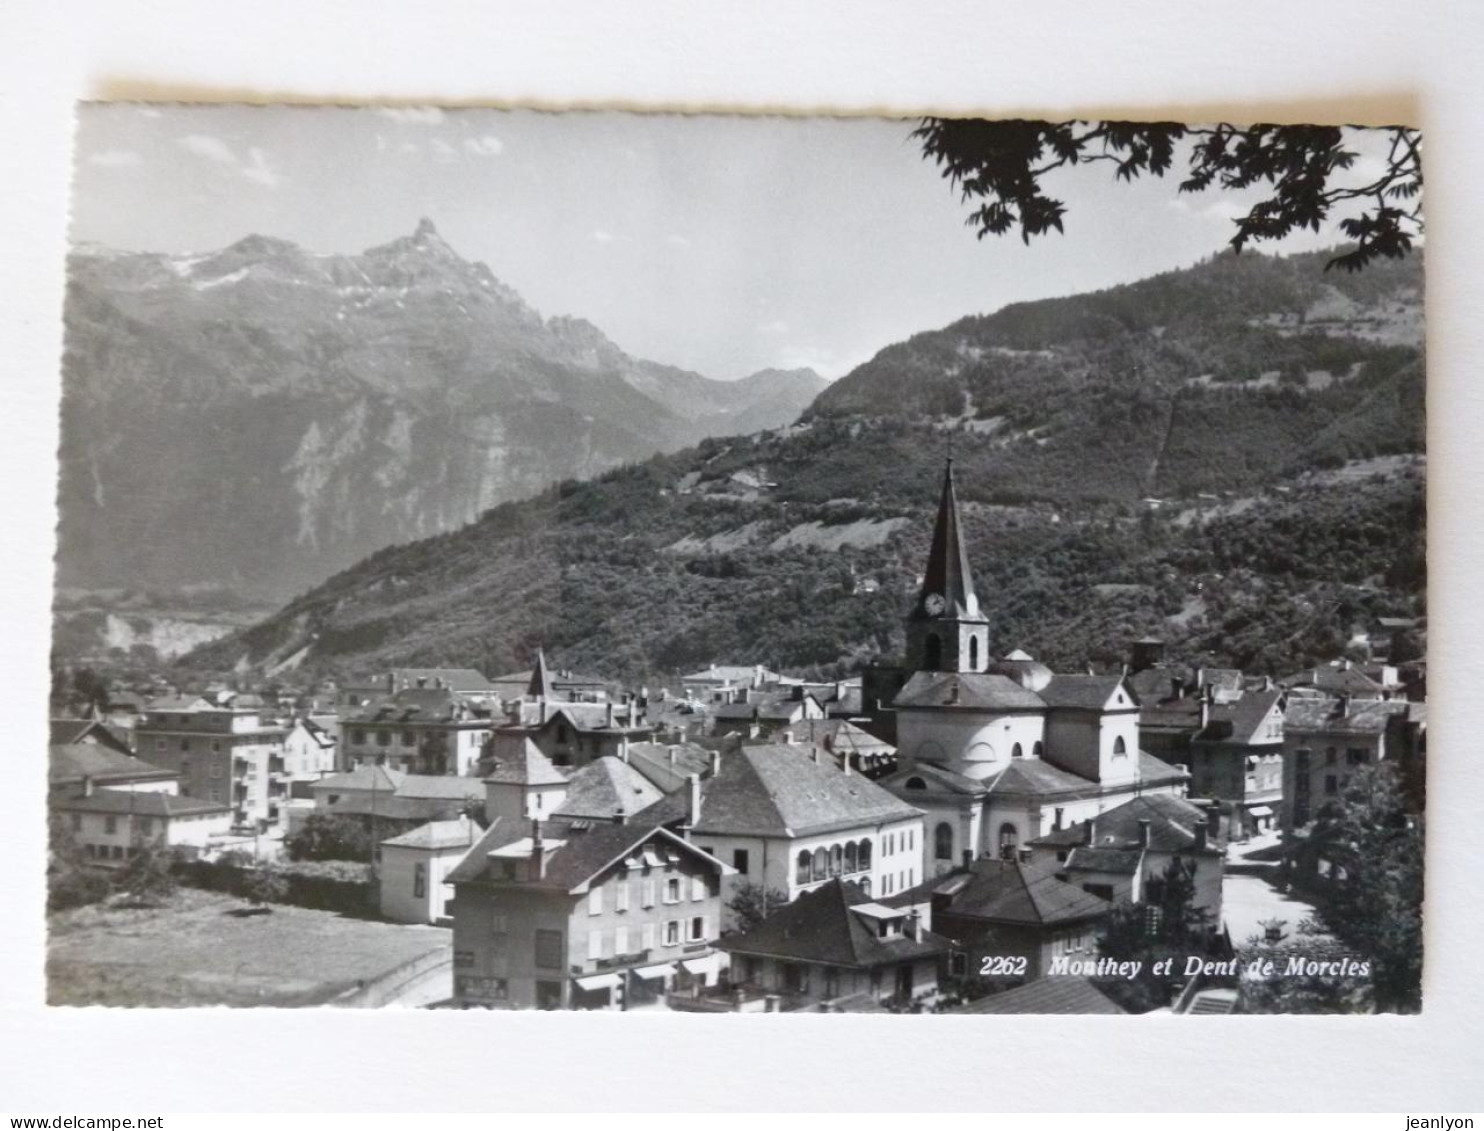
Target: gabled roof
821,926
65,732
604,787
1007,891
967,691
458,833
729,673
583,849
1065,994
417,705
1241,721
781,791
774,708
948,574
435,787
367,778
1172,826
539,686
526,765
1087,692
1336,680
141,803
71,762
1034,776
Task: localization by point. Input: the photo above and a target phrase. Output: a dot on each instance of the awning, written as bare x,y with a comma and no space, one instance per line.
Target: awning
597,982
707,964
1261,810
658,970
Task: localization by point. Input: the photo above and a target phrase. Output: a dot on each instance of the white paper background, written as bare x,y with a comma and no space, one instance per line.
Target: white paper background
1364,61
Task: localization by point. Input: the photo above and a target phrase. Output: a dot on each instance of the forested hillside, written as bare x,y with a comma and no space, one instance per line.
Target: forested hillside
1227,456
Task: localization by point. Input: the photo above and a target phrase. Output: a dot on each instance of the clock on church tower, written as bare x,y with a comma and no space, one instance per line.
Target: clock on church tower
946,631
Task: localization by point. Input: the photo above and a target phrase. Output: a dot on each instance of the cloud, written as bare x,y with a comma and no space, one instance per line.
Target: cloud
254,167
412,115
115,158
779,326
443,152
602,236
487,146
258,171
211,148
677,240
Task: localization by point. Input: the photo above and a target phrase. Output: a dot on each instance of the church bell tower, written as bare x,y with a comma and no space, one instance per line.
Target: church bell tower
946,631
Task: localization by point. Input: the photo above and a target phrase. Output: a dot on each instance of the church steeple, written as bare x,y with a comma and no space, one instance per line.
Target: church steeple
948,583
540,685
946,632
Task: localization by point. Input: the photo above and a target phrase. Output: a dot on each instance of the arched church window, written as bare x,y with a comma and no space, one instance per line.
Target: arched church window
801,876
821,864
973,653
1009,841
1037,750
933,652
851,862
1120,748
1016,751
865,856
943,842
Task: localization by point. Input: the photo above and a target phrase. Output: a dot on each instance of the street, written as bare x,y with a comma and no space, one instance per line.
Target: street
1248,898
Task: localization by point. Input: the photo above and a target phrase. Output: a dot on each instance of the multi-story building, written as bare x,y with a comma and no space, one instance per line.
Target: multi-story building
583,914
570,733
413,877
1326,740
417,730
225,752
75,766
1236,760
111,825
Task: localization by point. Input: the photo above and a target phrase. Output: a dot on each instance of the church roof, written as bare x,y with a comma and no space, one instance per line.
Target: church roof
606,786
1085,692
948,573
540,685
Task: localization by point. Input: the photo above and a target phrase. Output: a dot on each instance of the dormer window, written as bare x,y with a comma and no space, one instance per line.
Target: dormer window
916,783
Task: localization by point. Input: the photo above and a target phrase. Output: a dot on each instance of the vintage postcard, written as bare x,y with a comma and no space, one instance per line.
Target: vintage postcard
724,564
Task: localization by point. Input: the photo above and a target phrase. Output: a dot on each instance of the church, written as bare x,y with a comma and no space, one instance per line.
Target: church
998,752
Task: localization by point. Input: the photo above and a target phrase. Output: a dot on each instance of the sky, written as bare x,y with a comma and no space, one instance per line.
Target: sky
721,244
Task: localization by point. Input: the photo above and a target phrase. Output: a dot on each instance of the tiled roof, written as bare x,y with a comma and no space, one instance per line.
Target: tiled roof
780,791
727,673
458,833
64,732
1085,692
1033,776
1116,861
1154,684
368,778
526,765
1239,722
1064,993
967,691
652,759
842,735
1324,715
71,762
416,705
775,710
1336,680
819,926
435,787
1155,771
141,803
460,679
935,779
1172,826
586,848
1007,891
606,786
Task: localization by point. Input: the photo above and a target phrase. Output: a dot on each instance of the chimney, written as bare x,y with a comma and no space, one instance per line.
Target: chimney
1025,854
623,748
1056,821
693,801
1201,832
1206,698
619,816
914,925
538,851
813,753
671,752
609,713
845,761
715,762
1143,832
87,785
788,738
542,702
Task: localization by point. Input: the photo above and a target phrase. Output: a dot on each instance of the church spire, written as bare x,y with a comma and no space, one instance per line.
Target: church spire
948,584
540,685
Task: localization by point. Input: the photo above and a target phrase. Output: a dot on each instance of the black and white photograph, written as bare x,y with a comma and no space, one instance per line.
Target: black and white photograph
738,563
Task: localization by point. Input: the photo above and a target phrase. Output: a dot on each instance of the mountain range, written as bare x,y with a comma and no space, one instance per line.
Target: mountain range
1230,456
262,416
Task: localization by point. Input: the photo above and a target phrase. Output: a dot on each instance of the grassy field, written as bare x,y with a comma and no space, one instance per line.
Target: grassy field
193,950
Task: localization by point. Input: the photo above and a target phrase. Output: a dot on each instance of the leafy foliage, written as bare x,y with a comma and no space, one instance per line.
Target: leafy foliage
329,837
147,877
1303,168
1373,899
265,884
1167,926
750,904
1301,993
